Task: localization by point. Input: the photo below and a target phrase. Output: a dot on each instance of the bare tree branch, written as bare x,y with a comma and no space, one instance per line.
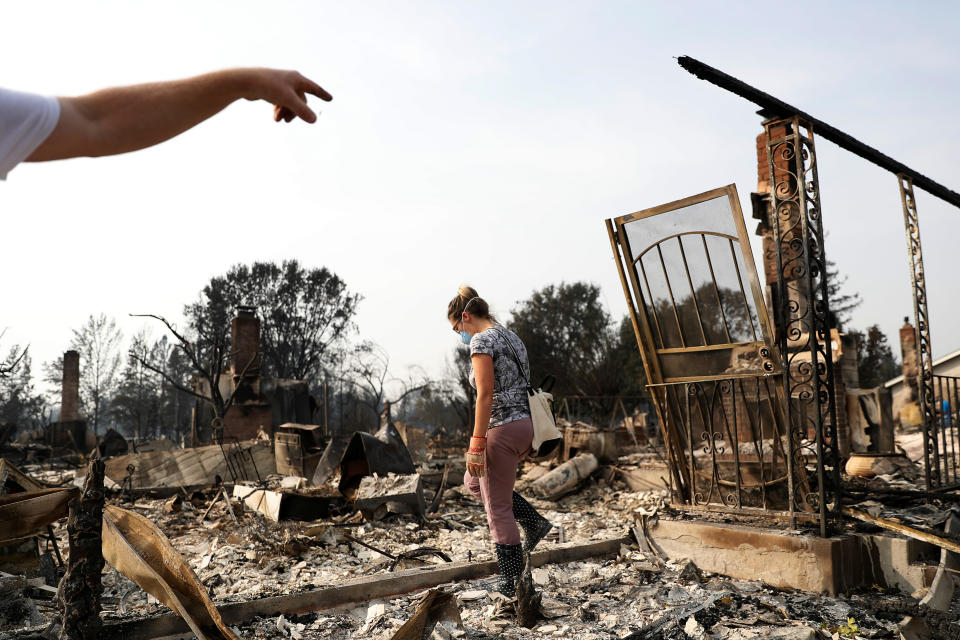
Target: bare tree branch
7,368
163,374
184,343
212,372
192,351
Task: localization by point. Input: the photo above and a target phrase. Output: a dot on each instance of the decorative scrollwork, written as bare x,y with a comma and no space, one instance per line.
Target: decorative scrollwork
926,396
803,313
812,500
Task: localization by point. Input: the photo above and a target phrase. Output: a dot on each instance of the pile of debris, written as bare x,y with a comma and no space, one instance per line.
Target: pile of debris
365,543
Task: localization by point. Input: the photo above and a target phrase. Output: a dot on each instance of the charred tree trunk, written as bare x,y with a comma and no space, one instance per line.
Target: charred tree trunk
78,597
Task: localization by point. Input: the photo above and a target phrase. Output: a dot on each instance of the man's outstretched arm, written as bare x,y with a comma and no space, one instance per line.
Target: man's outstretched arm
123,119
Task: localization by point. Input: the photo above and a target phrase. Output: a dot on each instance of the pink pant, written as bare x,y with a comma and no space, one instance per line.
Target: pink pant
506,446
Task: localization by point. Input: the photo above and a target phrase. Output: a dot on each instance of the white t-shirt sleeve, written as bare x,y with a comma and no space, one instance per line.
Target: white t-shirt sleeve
26,120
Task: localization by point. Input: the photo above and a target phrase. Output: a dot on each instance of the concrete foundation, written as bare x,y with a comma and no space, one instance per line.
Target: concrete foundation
804,562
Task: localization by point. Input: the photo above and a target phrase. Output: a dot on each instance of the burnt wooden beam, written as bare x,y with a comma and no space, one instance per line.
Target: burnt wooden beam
771,107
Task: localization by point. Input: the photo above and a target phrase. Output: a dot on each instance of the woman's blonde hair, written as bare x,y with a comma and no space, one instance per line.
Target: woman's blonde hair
469,301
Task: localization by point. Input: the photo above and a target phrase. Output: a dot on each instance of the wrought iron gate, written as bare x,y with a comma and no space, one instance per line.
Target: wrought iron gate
710,355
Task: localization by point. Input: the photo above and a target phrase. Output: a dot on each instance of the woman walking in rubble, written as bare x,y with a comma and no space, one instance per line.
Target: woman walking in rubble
502,432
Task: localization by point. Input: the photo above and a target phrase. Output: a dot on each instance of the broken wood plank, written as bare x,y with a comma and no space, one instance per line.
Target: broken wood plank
216,498
361,589
226,500
910,532
528,599
33,583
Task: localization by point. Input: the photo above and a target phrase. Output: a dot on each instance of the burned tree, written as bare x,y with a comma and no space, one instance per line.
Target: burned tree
461,394
368,377
209,356
20,404
10,364
306,311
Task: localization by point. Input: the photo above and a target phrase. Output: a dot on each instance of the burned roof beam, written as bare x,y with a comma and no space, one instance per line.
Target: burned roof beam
774,107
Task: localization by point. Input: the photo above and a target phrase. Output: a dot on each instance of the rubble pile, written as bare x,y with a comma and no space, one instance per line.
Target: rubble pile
634,595
280,536
617,598
262,558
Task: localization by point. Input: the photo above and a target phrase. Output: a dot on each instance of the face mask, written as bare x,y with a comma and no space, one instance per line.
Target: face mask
464,336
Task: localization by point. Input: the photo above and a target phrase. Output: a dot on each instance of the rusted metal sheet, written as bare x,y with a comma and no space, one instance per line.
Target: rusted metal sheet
13,480
195,467
136,548
367,454
27,512
435,606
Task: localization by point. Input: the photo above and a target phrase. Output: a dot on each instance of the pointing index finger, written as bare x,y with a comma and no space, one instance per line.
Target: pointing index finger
313,88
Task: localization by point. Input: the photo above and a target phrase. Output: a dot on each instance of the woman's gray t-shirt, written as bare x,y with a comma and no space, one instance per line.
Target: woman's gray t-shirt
510,399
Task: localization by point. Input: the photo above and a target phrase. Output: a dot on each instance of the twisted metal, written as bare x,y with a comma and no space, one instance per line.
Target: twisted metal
802,309
931,448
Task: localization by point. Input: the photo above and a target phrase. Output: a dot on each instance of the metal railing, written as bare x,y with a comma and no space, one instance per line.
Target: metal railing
941,438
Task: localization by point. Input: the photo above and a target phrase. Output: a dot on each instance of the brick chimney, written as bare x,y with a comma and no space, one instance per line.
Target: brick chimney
245,341
908,351
782,165
763,211
70,398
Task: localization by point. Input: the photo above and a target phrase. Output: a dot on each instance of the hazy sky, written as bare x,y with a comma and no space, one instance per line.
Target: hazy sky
467,142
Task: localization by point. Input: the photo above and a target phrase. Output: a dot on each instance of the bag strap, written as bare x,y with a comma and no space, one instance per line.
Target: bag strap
516,357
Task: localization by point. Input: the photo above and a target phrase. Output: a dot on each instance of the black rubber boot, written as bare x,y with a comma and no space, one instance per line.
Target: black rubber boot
534,525
510,561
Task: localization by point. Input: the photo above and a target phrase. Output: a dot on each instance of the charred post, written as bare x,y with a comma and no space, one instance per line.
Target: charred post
78,597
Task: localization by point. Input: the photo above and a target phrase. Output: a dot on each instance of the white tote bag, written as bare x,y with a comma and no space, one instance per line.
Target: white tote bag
546,437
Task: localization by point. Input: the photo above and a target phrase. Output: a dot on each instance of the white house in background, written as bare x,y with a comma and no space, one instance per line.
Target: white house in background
948,365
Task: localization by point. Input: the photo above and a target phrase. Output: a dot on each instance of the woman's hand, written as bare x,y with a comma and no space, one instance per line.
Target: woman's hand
476,457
